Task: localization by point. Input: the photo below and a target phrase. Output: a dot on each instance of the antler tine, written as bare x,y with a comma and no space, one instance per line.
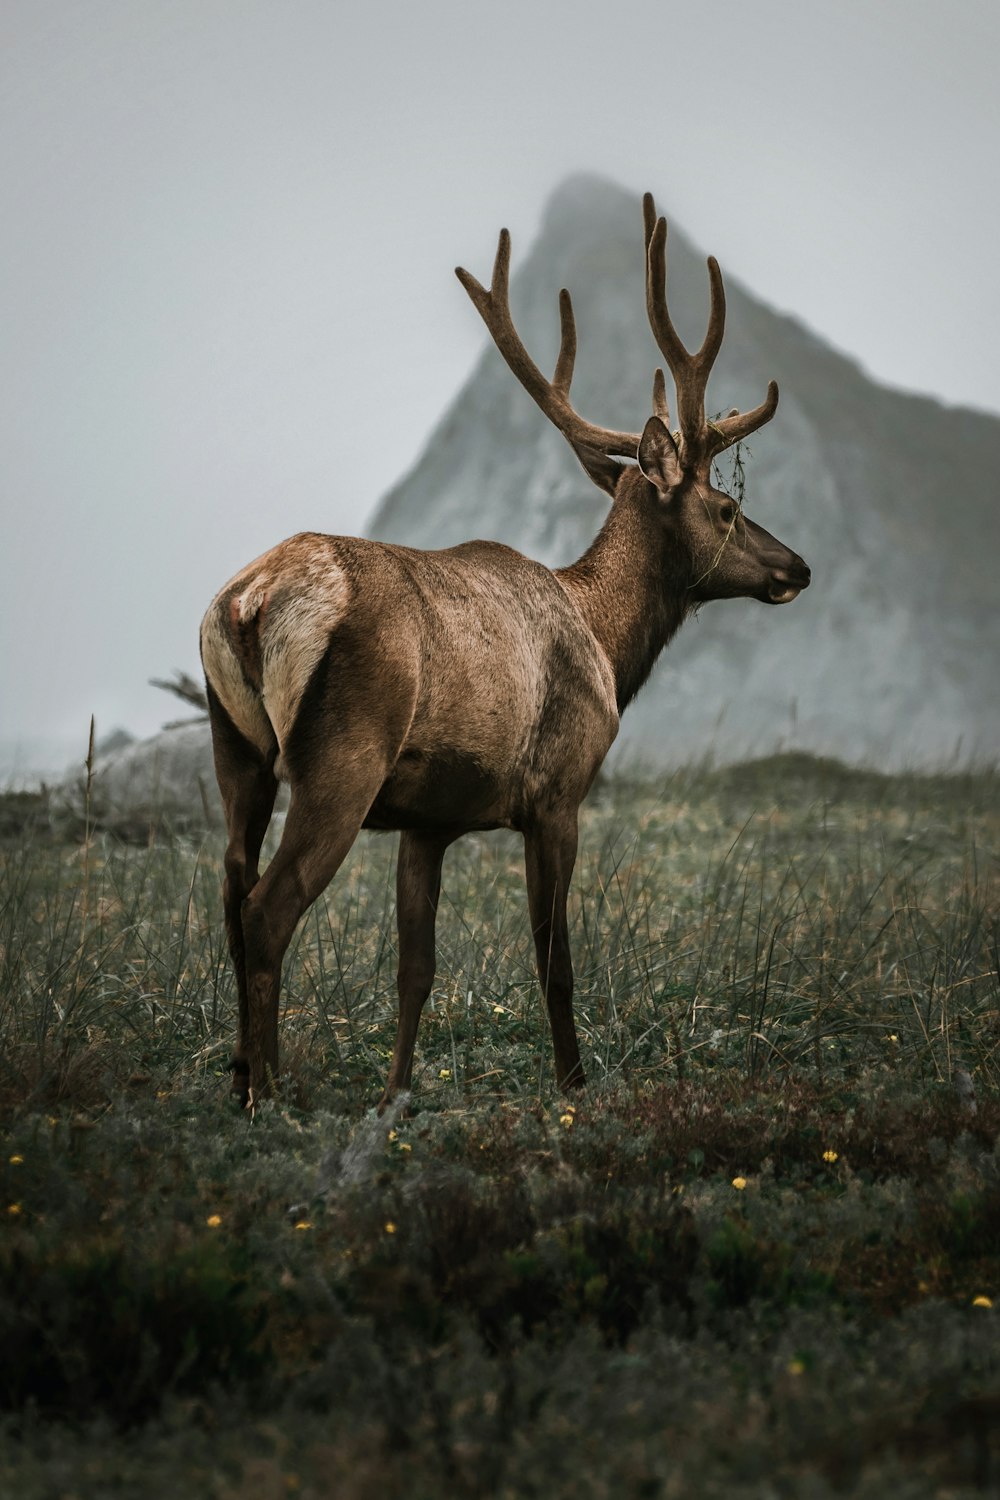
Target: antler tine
660,407
676,355
712,342
563,377
648,218
740,424
552,396
481,297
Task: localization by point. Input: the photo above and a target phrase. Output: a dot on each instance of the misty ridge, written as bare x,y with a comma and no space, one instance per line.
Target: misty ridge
890,659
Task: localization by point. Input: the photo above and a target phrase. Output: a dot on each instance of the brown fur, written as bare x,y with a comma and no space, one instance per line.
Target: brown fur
439,692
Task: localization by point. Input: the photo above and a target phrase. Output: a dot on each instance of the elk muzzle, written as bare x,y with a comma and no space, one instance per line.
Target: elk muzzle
788,581
785,574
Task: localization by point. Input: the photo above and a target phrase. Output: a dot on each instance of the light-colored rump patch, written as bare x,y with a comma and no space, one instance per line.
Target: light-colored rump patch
295,634
294,596
225,673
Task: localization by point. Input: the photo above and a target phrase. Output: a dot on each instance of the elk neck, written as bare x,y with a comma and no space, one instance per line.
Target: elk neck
631,585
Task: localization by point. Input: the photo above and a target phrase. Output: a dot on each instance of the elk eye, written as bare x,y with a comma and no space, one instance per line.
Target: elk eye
727,514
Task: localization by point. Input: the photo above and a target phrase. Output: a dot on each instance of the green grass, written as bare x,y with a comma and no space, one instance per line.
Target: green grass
751,1259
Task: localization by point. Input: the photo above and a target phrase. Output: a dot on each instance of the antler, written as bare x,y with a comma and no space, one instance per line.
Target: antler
551,395
702,440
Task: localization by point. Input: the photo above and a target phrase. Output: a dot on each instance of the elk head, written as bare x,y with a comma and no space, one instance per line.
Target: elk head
723,554
731,556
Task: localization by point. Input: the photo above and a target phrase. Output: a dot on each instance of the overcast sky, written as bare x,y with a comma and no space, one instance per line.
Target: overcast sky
226,287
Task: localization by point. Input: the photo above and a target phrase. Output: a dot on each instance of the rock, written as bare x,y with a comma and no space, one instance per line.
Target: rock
165,783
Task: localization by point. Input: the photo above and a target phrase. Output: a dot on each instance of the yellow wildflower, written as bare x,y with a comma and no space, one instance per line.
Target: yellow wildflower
739,1183
213,1221
405,1146
982,1301
566,1120
14,1209
830,1156
392,1135
390,1228
304,1224
444,1072
15,1160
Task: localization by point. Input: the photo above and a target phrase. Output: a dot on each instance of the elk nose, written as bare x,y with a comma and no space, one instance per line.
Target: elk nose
797,572
788,581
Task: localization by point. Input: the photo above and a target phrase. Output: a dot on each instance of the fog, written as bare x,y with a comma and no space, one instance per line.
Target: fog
228,304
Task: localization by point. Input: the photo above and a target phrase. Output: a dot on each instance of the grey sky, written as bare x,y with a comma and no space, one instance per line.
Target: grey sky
226,265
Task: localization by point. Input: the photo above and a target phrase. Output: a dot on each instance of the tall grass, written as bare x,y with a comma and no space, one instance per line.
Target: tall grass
790,918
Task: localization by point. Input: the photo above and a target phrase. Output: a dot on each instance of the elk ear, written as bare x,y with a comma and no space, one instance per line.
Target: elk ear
603,470
658,457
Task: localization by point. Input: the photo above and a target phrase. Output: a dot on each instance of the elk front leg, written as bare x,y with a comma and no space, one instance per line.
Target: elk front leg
550,853
418,886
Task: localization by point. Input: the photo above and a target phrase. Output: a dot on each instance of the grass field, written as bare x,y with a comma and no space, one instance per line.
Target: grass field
758,1256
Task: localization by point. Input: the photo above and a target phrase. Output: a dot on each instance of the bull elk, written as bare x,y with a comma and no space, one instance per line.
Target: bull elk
470,688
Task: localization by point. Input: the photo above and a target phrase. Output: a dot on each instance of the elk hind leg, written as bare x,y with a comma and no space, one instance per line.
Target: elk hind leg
248,787
325,815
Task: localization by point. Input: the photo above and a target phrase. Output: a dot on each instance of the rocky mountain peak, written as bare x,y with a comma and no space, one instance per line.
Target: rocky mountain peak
890,658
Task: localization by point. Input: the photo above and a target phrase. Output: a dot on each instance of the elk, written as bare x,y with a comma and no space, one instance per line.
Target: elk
440,692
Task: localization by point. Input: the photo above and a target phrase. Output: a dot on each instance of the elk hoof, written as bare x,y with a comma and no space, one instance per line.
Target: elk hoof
240,1086
397,1100
574,1080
